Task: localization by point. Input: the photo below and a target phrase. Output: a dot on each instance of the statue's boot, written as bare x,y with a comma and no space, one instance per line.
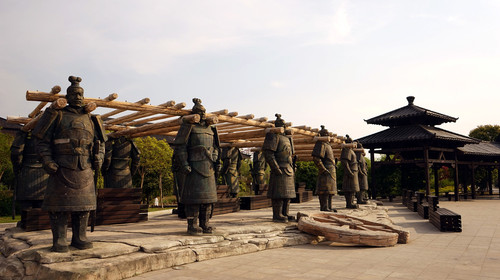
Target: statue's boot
79,222
349,199
181,211
330,204
59,226
192,214
277,211
323,202
286,208
360,198
205,211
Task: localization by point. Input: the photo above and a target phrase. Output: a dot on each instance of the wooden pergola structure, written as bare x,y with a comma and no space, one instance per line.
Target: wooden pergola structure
137,119
413,139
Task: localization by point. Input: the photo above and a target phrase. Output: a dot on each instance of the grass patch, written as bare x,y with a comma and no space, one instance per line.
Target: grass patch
8,219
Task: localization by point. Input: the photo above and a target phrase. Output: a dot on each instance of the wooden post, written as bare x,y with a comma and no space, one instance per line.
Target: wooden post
490,180
473,185
457,198
427,174
436,180
372,174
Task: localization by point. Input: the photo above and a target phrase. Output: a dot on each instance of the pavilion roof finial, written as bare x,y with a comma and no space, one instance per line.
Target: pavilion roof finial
410,99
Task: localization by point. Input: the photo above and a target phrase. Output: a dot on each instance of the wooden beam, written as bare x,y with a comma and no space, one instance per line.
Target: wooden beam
138,115
54,90
149,127
250,134
117,111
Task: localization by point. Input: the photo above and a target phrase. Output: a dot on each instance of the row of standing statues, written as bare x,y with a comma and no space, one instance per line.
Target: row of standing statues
68,145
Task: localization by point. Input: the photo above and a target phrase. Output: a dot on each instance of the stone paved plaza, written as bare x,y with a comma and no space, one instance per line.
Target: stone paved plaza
249,246
430,254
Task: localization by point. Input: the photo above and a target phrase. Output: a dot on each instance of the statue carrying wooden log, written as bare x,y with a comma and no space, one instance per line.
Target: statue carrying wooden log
278,151
71,145
197,150
326,185
350,182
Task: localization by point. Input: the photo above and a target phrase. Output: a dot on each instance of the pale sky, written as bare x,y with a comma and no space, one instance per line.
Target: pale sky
316,62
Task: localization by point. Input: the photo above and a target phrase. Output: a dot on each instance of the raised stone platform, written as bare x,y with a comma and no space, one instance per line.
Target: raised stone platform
125,250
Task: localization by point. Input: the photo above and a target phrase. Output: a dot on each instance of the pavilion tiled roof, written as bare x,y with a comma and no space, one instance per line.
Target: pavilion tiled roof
412,134
484,148
411,114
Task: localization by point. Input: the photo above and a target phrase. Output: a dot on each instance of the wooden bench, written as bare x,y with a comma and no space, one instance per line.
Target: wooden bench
301,194
422,205
446,220
411,202
225,204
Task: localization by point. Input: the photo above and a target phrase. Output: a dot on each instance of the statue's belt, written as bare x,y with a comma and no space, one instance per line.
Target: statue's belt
66,146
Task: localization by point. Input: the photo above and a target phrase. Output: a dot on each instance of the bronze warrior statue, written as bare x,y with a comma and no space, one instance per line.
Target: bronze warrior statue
350,183
179,178
71,144
326,184
258,170
278,151
362,195
31,178
231,162
197,150
121,161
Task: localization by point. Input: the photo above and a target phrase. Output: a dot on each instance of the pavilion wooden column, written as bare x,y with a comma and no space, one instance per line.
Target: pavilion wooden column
427,174
436,180
473,184
372,174
498,179
490,180
456,177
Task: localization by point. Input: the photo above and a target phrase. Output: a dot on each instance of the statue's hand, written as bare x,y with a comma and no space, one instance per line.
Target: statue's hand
186,169
51,167
96,164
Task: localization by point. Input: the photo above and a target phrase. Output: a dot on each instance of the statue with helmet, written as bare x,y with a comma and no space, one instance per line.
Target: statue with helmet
362,195
350,183
70,145
31,178
278,151
231,163
258,169
326,184
121,161
197,150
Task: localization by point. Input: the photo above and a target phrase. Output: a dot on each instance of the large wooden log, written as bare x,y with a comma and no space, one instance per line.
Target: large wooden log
54,90
138,115
42,96
153,126
245,144
250,134
117,111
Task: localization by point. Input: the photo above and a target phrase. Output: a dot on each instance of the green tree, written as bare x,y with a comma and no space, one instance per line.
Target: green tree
486,132
154,170
307,172
6,172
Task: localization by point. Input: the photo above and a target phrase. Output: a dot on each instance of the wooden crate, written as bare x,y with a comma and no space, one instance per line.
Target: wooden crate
423,210
118,206
446,220
254,202
303,196
226,205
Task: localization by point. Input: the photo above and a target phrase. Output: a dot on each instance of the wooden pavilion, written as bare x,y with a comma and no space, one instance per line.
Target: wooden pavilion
413,139
137,119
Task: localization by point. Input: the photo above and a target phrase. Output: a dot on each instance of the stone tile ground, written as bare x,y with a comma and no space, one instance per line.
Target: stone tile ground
127,250
472,254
